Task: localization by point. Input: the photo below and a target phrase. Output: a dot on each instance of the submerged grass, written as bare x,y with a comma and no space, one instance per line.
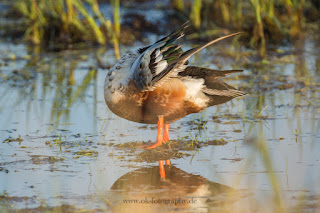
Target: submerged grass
172,149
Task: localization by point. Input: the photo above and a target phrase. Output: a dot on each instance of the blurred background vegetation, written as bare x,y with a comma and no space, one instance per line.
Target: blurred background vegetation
63,22
264,21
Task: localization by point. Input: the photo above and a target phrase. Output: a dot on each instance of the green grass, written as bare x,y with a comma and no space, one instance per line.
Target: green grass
69,21
195,15
264,21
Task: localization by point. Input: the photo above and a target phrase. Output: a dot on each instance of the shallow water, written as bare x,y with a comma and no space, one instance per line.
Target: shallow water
57,137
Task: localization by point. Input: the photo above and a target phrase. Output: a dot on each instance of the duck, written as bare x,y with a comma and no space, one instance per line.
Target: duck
155,85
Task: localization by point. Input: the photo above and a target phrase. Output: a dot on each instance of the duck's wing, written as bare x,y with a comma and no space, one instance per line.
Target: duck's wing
220,92
207,81
154,60
170,38
206,73
163,60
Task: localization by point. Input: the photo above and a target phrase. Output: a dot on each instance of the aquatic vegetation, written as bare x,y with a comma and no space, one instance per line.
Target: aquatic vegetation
195,15
177,5
42,159
9,140
86,152
68,21
264,21
172,149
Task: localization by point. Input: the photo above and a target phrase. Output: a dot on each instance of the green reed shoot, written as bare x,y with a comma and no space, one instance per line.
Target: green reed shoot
116,17
178,5
260,35
225,12
195,15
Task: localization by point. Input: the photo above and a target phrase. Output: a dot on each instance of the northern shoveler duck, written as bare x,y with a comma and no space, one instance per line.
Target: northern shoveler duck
154,84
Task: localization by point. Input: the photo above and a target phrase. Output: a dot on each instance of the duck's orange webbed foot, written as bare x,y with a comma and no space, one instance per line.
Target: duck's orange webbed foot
154,145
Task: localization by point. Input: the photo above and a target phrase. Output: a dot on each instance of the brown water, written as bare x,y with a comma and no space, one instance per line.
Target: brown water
58,138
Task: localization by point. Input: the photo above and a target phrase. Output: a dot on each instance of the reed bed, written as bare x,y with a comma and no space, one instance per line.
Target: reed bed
265,21
69,21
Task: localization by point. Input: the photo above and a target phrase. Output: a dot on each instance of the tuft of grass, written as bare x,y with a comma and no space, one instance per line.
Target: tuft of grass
69,21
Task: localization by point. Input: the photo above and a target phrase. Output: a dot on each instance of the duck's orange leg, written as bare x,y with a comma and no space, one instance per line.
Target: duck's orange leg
168,162
159,136
166,133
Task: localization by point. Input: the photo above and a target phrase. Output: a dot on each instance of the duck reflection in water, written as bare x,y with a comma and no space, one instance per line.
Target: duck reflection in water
155,85
148,190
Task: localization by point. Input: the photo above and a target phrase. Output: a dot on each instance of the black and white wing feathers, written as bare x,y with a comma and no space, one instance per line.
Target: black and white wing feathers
163,60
